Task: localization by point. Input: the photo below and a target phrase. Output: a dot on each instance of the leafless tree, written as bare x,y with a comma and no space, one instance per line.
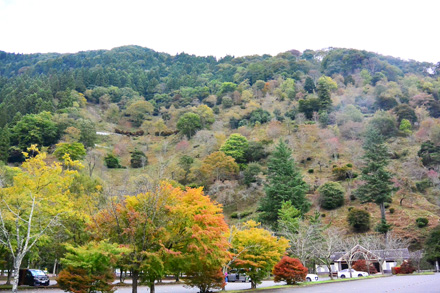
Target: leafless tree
92,159
330,243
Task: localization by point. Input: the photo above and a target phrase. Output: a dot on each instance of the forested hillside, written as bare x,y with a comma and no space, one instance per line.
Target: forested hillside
347,136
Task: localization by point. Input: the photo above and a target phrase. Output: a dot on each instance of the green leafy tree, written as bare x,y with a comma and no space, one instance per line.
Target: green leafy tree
75,150
89,268
185,162
112,161
88,136
378,186
36,129
284,183
309,106
250,173
255,152
404,111
138,159
188,124
331,195
429,153
259,115
405,126
359,220
384,123
206,115
138,111
309,85
236,146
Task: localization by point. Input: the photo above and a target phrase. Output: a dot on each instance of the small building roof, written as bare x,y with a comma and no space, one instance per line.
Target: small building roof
386,254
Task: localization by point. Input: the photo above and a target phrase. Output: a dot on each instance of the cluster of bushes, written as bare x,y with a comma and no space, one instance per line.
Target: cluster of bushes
405,268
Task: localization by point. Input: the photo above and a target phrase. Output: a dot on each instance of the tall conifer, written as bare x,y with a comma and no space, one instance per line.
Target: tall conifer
378,186
285,183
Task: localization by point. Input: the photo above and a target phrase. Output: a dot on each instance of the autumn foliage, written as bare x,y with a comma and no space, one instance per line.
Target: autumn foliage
78,280
361,265
290,270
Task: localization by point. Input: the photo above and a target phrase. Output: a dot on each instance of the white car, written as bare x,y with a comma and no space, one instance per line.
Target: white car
346,274
311,278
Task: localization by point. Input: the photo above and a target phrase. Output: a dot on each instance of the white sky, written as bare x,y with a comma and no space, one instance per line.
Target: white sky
405,29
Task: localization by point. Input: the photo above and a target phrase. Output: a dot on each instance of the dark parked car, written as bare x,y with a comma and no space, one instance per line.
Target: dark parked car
33,277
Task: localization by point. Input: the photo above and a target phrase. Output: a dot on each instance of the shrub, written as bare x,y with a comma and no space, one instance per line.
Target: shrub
331,195
395,270
111,161
407,267
422,222
290,270
359,220
89,268
310,171
361,265
392,210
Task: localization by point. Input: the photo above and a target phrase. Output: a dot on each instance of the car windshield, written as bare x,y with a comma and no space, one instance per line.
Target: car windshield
37,273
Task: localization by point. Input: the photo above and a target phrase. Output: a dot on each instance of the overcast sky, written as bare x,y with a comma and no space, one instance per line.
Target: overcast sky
405,29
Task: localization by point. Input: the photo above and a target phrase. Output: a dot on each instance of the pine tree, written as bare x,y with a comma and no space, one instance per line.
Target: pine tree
378,186
285,183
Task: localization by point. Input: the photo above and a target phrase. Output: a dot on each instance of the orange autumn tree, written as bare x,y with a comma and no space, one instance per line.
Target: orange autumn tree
166,229
289,269
140,223
256,250
203,247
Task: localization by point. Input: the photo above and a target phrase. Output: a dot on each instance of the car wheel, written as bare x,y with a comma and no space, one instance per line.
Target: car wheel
308,279
360,275
342,276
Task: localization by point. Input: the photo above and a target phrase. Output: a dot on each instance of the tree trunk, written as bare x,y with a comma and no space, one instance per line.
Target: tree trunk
152,287
54,272
382,210
17,264
330,273
253,285
8,281
135,276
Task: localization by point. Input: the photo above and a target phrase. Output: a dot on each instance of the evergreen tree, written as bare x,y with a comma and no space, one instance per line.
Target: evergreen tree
285,183
4,144
325,86
378,186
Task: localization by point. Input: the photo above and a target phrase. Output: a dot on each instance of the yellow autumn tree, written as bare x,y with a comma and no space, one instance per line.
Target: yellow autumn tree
218,166
33,205
256,250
